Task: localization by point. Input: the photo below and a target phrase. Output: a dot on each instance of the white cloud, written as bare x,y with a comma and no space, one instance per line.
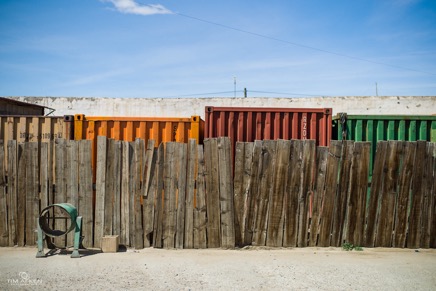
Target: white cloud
131,7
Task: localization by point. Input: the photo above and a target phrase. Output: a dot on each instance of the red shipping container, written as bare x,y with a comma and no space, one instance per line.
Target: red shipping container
247,124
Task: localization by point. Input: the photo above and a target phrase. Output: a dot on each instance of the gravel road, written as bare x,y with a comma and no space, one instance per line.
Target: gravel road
218,269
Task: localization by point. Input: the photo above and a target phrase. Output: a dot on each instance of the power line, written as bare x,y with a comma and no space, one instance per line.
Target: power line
286,93
301,45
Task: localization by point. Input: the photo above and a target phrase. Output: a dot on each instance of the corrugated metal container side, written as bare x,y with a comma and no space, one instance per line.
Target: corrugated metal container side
34,128
375,128
130,128
247,124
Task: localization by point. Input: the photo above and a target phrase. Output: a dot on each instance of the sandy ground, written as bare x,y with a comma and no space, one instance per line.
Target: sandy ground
217,269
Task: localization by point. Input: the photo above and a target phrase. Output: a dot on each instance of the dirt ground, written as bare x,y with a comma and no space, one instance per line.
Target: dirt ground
218,269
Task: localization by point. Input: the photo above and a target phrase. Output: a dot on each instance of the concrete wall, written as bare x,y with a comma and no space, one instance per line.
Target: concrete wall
186,107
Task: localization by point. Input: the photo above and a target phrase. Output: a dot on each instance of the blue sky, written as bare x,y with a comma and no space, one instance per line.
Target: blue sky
277,48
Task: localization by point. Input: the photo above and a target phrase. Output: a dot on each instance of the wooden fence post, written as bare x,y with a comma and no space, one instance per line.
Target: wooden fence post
99,224
85,190
12,192
212,192
4,235
276,205
200,221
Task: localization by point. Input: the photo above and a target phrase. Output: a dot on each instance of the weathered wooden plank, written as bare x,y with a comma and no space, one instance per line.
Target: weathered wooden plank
376,189
100,193
252,192
402,203
139,162
389,195
227,210
45,167
148,192
428,196
267,163
4,234
239,191
116,229
85,191
132,192
309,150
357,193
432,154
292,194
274,236
200,220
109,190
158,216
248,161
32,192
72,186
318,194
415,217
181,160
331,184
12,192
190,190
212,192
339,214
21,195
170,211
125,194
59,195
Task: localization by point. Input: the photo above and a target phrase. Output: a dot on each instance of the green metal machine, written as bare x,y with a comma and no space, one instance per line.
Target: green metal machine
47,232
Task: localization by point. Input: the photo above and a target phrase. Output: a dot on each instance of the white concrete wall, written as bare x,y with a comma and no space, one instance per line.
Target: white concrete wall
186,107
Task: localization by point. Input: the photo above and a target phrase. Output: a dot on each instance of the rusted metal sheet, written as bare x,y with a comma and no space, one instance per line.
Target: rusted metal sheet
246,124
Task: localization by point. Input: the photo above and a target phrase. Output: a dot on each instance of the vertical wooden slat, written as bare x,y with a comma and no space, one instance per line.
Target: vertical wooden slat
21,195
292,194
45,177
72,189
402,203
252,192
415,218
274,236
110,177
428,197
226,193
374,198
385,224
170,211
116,230
309,150
12,192
238,188
331,184
59,195
318,193
432,154
125,194
132,191
339,213
190,190
99,223
32,192
4,234
200,220
212,193
158,217
139,162
148,192
262,199
357,193
85,191
181,159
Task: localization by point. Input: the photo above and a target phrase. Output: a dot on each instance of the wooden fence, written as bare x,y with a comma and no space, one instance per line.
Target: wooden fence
286,193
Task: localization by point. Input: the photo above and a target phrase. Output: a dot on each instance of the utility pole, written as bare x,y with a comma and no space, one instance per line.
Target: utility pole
234,83
245,92
376,89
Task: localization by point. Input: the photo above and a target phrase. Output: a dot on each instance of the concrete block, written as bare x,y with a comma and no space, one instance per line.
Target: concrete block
110,243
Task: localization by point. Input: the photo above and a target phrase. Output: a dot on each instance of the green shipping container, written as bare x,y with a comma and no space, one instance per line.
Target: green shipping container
375,128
